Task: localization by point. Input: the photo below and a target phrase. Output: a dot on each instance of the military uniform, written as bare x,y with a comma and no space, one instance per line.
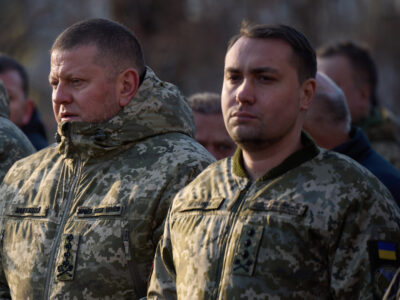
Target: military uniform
81,219
307,229
383,132
14,145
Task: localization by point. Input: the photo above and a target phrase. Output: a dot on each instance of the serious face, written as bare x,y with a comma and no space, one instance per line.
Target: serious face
83,90
339,69
13,83
212,134
261,93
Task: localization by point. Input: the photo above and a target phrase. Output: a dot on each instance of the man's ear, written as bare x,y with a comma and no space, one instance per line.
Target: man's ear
307,93
128,84
28,111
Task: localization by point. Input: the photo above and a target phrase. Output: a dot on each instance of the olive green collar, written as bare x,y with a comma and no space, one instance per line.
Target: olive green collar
307,152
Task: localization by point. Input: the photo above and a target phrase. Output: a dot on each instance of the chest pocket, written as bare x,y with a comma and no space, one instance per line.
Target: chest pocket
203,205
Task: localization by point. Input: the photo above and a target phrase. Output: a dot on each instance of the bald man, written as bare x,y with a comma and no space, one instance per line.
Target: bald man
328,121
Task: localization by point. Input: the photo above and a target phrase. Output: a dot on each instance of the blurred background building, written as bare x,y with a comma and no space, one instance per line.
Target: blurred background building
184,41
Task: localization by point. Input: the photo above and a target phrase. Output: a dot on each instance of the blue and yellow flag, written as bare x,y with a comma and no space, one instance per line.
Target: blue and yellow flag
387,250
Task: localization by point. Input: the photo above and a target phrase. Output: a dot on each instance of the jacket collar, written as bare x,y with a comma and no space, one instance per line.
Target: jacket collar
307,152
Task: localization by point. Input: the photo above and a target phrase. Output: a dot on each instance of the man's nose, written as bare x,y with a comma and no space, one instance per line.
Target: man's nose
61,95
245,92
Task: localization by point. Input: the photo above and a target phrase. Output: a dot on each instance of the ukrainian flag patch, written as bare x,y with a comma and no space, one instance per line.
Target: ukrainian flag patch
384,260
387,250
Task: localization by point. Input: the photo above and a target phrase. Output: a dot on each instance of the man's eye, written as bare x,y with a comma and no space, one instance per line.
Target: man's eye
264,78
54,83
233,77
76,81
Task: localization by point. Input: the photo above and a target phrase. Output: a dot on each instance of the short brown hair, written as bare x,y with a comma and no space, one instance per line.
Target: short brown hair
306,62
112,40
206,103
360,59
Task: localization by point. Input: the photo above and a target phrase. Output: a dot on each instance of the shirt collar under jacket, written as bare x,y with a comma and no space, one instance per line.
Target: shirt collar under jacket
157,108
307,152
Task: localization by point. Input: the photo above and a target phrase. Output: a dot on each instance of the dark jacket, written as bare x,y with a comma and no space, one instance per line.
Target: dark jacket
35,131
359,149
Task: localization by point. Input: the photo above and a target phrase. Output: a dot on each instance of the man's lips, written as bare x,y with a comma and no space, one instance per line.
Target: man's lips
67,116
242,115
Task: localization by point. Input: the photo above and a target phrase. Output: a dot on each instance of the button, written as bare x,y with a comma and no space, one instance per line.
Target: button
250,232
70,237
60,268
65,263
237,261
245,254
100,136
70,267
66,254
58,138
65,128
247,243
68,246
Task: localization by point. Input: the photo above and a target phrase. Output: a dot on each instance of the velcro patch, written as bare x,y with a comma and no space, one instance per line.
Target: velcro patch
282,206
84,211
384,258
25,211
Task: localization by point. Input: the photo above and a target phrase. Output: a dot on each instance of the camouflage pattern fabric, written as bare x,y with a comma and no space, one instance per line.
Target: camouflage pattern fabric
14,145
81,219
299,232
382,130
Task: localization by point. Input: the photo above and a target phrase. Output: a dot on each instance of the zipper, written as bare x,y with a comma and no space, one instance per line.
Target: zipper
132,266
235,210
56,242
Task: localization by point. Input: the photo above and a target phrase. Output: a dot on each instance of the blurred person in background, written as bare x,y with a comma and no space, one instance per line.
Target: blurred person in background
328,121
23,112
14,145
210,127
352,68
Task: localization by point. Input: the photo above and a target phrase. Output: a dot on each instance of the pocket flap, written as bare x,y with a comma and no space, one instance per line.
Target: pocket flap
210,204
281,206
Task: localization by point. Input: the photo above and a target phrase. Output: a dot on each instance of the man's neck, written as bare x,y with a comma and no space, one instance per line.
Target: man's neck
258,162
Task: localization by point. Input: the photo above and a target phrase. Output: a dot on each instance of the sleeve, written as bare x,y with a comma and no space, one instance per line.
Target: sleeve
4,289
179,179
163,278
365,255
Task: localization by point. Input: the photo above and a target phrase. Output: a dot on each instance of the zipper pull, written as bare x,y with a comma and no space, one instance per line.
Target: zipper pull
125,239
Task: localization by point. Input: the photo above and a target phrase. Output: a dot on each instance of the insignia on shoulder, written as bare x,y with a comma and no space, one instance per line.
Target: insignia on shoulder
385,260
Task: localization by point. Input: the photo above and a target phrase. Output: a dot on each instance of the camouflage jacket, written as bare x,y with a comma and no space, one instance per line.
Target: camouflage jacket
14,145
301,231
81,219
382,130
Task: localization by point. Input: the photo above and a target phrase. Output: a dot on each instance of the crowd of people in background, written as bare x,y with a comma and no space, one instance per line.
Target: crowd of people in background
286,184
